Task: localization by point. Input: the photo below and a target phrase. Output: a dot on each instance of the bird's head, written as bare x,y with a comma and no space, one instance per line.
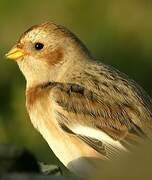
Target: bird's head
43,49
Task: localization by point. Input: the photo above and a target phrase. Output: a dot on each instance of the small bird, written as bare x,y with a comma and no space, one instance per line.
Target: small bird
84,109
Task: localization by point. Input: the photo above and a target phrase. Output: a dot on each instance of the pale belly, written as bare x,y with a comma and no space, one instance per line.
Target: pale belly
71,151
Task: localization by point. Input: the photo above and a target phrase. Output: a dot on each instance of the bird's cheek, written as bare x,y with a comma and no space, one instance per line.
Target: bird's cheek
53,57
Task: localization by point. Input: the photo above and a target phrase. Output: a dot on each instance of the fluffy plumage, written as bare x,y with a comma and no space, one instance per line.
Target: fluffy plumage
84,109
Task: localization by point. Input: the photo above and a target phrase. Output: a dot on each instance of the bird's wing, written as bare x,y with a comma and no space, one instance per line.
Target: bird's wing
84,114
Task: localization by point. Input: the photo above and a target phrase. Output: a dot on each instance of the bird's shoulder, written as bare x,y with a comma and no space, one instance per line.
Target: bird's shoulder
35,94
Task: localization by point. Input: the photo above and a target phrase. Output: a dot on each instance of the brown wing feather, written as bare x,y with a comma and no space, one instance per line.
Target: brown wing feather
84,107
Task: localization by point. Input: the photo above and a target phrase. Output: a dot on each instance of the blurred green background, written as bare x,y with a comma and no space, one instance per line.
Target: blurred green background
119,31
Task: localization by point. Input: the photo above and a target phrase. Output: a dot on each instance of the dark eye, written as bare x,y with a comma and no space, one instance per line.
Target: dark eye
39,46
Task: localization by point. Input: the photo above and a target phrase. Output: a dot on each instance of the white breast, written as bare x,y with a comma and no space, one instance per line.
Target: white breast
70,150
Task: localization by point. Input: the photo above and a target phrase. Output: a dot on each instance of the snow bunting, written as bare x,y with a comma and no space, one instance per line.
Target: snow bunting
84,109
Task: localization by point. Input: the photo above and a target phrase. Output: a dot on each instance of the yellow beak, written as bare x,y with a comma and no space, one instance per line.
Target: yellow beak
15,53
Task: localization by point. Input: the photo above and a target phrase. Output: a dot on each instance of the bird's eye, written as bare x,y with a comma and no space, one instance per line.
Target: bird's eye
39,46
